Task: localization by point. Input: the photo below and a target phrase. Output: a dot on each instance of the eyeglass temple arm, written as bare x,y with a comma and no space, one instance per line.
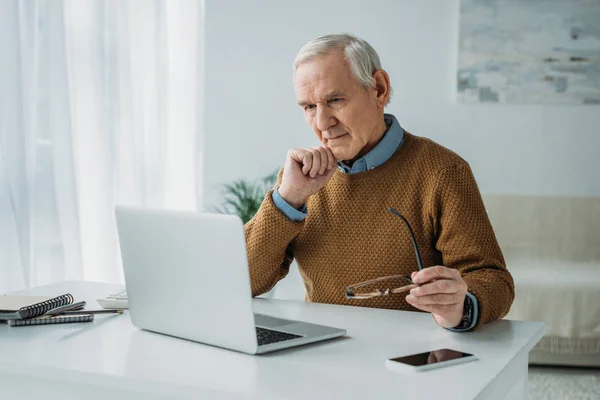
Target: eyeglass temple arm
350,289
412,237
384,278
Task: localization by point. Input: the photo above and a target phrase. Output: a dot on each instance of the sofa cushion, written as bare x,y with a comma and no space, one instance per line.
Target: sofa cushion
566,296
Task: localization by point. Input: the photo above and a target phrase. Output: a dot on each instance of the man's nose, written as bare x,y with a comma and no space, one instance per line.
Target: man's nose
325,120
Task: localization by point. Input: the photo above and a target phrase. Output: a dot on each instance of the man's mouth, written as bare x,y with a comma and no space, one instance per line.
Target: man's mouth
337,137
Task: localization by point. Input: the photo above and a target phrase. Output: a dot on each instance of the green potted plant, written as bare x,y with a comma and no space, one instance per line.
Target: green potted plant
244,197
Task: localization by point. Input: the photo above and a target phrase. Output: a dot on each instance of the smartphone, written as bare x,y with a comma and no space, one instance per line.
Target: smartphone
429,360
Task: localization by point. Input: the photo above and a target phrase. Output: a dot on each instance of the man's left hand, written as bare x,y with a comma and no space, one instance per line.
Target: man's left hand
442,293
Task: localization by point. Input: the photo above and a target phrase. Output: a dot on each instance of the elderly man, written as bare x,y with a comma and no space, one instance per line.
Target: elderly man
336,207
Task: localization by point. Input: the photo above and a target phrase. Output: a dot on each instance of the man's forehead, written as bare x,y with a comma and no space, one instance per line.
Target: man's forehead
311,96
319,85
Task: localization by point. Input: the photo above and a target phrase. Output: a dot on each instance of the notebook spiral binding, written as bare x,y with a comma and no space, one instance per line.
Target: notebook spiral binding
51,320
45,306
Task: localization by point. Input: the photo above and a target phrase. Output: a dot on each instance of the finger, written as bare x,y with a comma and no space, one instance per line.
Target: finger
302,157
438,286
323,160
436,309
411,300
436,272
316,163
436,299
307,162
331,161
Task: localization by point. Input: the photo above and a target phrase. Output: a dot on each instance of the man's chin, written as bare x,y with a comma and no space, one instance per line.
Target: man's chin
342,154
344,157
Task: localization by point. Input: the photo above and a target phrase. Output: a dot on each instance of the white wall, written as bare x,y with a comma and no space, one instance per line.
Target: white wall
251,117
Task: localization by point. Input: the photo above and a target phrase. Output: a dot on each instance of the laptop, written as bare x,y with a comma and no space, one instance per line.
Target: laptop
187,276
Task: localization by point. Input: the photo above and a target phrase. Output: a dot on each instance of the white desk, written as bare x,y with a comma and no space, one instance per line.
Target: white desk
111,359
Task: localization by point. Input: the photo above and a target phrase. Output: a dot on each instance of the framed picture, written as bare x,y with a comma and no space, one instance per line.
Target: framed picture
529,52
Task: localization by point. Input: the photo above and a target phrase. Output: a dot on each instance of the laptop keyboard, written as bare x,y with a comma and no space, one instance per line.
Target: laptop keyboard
268,336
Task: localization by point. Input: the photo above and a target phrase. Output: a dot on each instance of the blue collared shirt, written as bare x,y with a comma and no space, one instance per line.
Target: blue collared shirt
383,151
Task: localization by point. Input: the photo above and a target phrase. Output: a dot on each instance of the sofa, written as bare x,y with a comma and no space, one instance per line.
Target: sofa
552,249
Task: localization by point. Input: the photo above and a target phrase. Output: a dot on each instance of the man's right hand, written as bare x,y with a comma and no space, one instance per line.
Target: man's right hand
305,172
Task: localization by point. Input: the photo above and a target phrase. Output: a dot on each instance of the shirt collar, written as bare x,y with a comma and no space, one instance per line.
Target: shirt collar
382,152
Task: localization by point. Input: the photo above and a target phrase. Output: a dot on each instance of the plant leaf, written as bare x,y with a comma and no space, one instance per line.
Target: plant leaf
244,198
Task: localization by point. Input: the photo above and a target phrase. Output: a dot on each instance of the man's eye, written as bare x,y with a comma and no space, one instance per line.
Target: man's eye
334,100
309,106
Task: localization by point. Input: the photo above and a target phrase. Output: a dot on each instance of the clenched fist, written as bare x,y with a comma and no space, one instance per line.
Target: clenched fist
305,172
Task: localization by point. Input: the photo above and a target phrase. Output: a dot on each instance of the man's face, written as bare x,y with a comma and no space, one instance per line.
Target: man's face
344,115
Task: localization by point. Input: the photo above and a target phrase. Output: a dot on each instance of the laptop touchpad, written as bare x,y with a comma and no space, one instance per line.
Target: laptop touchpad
267,321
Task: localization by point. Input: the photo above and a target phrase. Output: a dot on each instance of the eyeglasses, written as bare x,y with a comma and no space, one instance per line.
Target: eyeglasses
351,291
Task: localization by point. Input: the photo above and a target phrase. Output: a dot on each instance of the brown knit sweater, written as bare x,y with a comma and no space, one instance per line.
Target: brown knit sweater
349,236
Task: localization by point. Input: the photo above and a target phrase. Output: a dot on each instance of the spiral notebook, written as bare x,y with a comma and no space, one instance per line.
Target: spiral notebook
48,319
25,307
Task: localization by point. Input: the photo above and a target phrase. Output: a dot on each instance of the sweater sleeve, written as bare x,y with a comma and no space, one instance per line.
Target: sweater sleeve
269,236
466,240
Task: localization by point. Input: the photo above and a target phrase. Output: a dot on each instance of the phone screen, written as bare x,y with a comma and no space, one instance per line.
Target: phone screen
431,357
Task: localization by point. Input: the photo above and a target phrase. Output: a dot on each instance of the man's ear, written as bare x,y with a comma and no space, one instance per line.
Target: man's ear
382,87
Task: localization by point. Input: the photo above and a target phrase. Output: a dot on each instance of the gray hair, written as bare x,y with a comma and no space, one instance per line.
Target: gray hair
361,57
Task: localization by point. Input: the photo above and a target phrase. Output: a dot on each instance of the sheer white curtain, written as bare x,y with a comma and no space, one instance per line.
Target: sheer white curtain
100,104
